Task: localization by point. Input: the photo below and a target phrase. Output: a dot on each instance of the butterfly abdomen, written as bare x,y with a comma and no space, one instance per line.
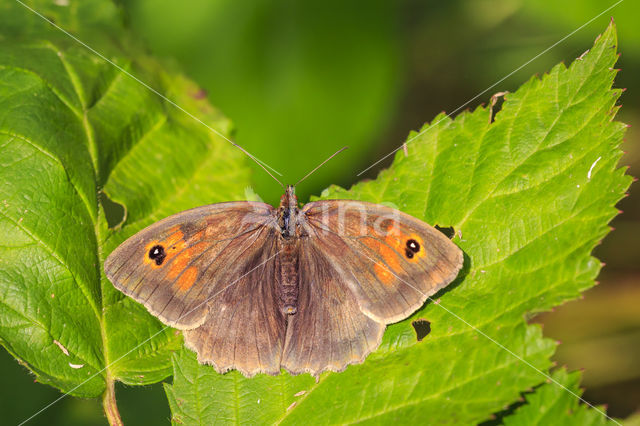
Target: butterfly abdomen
288,274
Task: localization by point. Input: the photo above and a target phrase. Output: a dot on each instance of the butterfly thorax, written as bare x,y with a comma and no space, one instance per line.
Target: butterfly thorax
288,248
288,213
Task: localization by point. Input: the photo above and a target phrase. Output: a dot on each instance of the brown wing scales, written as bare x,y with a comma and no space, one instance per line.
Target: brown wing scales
329,331
393,262
173,265
213,272
244,329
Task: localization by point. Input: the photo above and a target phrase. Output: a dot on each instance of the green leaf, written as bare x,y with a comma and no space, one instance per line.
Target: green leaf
200,395
76,135
633,420
551,402
529,195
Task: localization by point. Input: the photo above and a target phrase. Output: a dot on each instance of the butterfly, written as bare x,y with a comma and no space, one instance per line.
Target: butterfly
258,289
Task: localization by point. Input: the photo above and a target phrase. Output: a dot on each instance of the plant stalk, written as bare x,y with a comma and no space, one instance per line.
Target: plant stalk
109,404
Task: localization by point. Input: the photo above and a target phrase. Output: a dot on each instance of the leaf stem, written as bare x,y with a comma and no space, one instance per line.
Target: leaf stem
109,403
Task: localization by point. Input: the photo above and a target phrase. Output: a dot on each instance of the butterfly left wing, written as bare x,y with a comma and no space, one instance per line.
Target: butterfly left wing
213,276
244,329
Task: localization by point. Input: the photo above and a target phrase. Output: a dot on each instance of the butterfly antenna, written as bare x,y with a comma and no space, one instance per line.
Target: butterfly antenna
321,164
260,163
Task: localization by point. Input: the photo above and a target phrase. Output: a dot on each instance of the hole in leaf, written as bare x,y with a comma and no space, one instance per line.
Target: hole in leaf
115,213
496,109
495,105
422,328
448,231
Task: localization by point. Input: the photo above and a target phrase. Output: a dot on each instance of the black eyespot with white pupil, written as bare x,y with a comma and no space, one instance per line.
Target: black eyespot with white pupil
157,254
412,247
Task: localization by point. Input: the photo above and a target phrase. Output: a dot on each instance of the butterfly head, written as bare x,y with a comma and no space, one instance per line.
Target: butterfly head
289,199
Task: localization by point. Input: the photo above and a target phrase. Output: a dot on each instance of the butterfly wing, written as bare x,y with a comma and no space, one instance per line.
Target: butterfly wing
244,329
175,265
328,331
391,261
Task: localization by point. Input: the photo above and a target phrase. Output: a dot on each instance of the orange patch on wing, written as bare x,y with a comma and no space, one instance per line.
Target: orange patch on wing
391,260
383,273
179,264
197,237
394,238
398,240
175,237
188,278
389,256
184,258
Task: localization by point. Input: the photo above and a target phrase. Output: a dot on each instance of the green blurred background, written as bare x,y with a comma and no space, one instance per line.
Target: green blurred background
302,79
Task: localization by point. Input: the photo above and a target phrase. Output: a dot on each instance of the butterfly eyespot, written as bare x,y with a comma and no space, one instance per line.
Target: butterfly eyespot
157,254
413,245
409,253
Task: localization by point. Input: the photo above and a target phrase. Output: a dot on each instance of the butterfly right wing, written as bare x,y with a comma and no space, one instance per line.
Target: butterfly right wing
175,265
329,331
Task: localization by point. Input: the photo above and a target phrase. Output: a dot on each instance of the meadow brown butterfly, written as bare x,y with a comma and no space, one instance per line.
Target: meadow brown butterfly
309,289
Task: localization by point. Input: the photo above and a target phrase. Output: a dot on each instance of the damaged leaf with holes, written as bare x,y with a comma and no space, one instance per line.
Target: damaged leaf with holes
79,137
422,328
529,192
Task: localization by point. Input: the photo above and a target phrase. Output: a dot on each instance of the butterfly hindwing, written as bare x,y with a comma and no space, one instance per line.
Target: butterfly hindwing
218,273
329,331
245,328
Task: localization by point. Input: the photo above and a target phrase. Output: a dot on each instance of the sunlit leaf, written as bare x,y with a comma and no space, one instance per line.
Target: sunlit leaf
529,193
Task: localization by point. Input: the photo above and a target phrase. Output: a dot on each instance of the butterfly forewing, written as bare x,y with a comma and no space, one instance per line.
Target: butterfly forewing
218,272
391,261
175,265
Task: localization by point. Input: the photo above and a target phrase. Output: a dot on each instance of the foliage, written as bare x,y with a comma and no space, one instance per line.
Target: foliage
551,402
529,193
74,131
